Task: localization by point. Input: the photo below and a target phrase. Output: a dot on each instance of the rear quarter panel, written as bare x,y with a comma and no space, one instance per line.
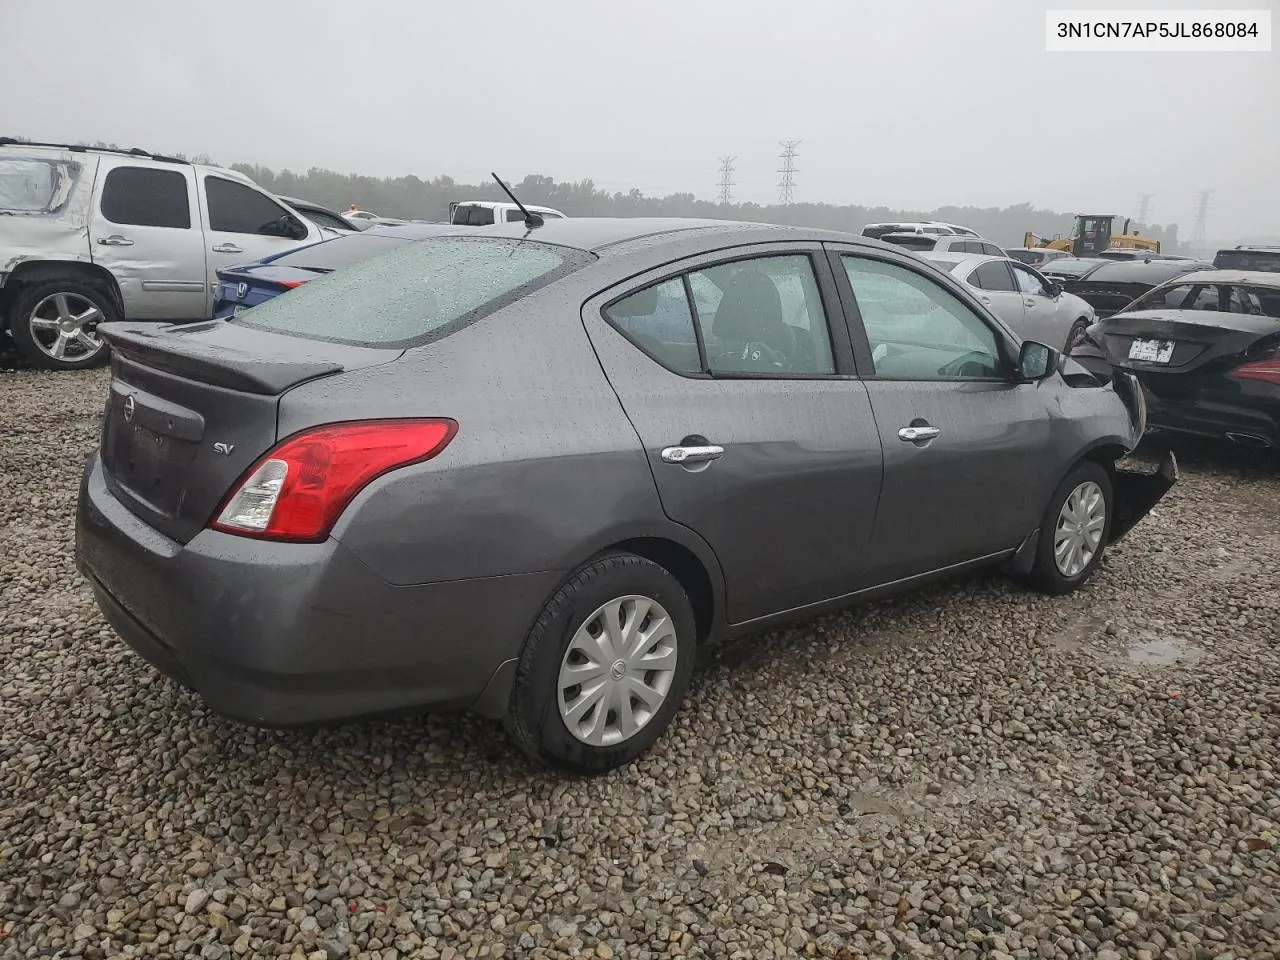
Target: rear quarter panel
545,469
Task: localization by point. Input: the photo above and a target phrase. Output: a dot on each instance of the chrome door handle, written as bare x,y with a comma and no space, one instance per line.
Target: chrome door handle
691,454
1030,302
916,434
115,240
227,248
985,299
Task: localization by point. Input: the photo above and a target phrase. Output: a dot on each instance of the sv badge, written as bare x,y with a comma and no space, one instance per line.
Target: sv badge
223,448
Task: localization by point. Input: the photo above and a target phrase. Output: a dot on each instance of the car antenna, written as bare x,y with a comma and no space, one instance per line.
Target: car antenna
531,220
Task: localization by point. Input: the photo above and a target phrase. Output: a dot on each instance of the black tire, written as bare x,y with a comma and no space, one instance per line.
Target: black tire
1045,573
33,297
1075,333
534,720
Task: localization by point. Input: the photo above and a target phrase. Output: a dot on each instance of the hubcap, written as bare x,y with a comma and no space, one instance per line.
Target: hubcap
618,670
63,327
1079,532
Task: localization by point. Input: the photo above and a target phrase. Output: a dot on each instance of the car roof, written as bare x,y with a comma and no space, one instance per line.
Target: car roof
951,256
1253,278
600,234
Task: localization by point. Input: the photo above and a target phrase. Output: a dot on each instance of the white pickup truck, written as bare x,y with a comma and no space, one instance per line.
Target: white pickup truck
482,213
89,235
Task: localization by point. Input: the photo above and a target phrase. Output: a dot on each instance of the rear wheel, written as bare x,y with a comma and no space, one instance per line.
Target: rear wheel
605,667
1074,530
54,324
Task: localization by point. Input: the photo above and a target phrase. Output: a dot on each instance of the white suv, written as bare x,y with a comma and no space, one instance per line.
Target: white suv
89,236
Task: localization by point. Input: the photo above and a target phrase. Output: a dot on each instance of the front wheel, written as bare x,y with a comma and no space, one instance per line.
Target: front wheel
605,667
1074,530
54,324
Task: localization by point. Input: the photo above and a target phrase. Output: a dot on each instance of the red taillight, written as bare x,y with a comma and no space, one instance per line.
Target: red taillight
297,490
1266,370
290,284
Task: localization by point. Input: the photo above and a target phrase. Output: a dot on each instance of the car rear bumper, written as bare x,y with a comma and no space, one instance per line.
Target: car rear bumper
287,634
1246,418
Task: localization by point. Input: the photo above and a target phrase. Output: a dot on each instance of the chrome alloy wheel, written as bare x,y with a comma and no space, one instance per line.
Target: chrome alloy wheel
1078,535
63,324
617,671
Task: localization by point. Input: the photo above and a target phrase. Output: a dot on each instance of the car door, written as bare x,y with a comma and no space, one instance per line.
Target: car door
999,291
963,443
1040,319
759,435
145,229
243,224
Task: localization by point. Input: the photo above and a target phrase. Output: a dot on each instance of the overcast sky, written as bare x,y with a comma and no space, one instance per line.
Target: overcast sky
905,104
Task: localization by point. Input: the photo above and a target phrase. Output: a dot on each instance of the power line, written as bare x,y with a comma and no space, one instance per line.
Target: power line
725,183
787,185
1144,208
1199,231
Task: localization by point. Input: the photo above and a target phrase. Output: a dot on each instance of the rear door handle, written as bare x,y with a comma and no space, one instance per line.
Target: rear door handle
985,299
1029,301
682,455
115,240
916,434
227,248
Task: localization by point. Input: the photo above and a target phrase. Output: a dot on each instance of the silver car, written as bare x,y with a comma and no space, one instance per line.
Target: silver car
1035,307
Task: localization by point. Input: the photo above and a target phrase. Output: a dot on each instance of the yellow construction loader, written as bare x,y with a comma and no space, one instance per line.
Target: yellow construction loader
1091,235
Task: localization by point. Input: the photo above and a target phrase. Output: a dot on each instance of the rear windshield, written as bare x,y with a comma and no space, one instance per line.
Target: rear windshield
1248,260
419,292
912,241
1026,256
332,254
35,185
1220,297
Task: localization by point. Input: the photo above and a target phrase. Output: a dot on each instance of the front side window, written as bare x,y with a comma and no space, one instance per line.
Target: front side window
237,208
146,197
416,292
919,331
1029,283
325,219
762,316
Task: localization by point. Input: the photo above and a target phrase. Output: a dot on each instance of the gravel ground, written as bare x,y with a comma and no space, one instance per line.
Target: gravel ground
969,771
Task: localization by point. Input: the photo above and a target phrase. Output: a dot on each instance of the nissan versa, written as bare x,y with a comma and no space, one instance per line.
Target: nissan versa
529,469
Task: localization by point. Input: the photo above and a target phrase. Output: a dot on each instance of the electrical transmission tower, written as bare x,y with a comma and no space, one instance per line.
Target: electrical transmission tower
1144,207
787,185
725,183
1202,213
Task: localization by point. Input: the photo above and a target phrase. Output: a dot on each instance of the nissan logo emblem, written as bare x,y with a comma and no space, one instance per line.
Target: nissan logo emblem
129,405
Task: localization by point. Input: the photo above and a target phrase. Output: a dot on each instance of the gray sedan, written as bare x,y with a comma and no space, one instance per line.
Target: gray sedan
1033,305
530,472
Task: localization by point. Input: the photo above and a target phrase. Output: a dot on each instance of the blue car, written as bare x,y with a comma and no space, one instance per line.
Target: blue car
248,285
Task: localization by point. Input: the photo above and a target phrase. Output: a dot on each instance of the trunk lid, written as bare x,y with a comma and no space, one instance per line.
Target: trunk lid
1200,338
191,407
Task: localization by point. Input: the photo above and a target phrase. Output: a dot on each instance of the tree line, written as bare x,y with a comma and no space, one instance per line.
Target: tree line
412,198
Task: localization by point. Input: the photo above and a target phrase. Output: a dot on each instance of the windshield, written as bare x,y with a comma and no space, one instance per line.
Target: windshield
34,185
1026,256
1220,297
419,292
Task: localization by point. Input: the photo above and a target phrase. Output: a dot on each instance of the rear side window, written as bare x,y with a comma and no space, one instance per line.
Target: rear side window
991,250
419,292
33,185
146,197
993,275
657,319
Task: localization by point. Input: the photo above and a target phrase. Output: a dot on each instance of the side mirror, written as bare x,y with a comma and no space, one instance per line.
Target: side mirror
1036,362
1055,288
